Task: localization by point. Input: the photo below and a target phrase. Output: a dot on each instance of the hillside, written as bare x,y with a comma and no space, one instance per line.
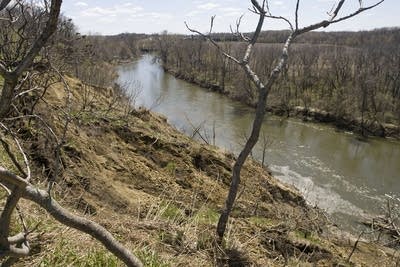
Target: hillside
159,193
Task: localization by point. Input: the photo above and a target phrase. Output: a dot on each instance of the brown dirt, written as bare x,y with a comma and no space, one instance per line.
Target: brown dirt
158,190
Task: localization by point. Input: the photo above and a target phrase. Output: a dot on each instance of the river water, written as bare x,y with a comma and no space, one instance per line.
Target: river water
334,170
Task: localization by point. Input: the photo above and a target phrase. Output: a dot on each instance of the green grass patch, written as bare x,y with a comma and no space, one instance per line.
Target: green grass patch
207,216
261,221
150,258
170,211
307,236
66,255
7,163
206,240
174,239
171,168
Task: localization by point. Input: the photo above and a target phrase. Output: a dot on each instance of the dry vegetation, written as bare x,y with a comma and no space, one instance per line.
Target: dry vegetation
156,190
348,79
160,193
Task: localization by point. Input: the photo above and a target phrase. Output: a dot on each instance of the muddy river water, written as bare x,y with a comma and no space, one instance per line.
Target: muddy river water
334,170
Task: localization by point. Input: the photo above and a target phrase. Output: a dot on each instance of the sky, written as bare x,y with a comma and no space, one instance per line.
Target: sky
154,16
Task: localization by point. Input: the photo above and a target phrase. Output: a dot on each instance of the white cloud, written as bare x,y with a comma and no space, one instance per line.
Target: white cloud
278,3
193,13
123,10
208,6
230,11
81,4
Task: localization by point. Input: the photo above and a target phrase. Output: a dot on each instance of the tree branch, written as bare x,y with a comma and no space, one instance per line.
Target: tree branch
43,199
49,29
297,14
332,20
3,4
3,71
208,37
11,179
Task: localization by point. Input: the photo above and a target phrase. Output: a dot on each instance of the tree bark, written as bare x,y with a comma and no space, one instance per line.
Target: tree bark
43,199
7,95
24,189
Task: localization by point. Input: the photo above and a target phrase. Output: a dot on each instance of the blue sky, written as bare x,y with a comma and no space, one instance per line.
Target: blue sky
154,16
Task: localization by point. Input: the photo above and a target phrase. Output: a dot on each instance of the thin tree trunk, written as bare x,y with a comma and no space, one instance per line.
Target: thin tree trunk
255,133
7,95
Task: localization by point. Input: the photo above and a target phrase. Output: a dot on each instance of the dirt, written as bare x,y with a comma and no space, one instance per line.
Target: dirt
158,190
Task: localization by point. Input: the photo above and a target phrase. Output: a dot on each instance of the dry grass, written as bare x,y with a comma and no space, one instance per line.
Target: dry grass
159,192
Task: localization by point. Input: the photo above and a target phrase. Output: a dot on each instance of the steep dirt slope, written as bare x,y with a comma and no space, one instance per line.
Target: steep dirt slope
160,192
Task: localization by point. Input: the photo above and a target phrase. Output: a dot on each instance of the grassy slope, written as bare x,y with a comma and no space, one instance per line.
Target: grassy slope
159,192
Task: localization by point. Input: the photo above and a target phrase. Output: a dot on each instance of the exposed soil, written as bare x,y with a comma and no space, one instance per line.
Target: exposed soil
159,191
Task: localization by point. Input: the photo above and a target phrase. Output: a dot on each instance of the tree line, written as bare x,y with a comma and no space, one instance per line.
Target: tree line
341,77
38,46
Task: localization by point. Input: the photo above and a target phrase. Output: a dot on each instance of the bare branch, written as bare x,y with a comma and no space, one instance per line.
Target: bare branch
7,149
211,24
27,174
35,117
17,252
297,14
49,29
269,15
263,12
360,10
18,238
3,4
332,20
337,9
11,179
5,217
208,37
61,142
3,70
237,31
281,18
43,199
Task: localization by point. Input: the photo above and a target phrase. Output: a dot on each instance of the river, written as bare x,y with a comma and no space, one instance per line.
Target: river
335,170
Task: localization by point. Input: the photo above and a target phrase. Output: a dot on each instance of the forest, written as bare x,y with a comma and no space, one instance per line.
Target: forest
349,79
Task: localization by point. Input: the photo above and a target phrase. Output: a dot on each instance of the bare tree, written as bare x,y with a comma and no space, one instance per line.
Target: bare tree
21,186
265,84
25,28
17,19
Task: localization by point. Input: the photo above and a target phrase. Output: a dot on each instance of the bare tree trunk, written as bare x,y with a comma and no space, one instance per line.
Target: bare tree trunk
255,133
7,95
263,90
11,76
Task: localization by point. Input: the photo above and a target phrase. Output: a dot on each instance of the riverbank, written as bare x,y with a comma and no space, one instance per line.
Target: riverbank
361,127
160,192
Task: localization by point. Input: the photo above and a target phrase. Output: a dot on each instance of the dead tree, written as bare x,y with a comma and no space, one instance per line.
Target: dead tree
17,18
264,84
18,187
24,31
17,246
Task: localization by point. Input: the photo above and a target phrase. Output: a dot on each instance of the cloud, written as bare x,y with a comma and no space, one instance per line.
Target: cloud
278,3
114,11
208,6
230,11
81,4
193,13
